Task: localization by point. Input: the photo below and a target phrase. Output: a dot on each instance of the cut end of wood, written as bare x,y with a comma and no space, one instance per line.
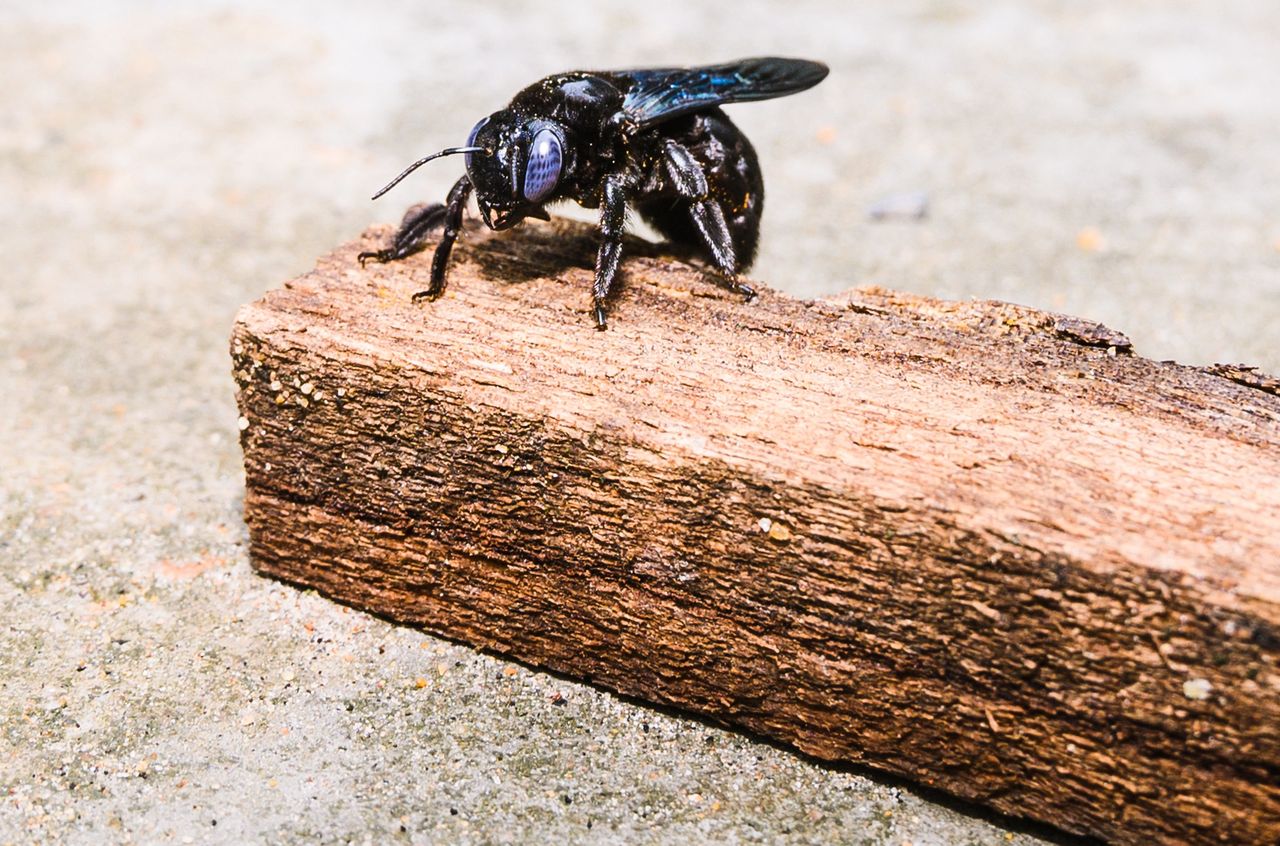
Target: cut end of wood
976,544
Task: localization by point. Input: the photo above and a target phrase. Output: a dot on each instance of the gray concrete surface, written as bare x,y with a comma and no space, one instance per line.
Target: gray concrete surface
161,164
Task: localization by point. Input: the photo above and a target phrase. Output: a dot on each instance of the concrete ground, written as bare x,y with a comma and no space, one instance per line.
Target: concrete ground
161,164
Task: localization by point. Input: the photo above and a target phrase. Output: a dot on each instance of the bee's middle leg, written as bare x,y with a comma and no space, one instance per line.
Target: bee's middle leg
613,218
417,226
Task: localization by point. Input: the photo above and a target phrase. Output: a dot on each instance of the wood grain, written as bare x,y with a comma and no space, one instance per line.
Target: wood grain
974,544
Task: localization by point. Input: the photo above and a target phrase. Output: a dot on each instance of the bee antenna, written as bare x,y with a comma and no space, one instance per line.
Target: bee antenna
448,151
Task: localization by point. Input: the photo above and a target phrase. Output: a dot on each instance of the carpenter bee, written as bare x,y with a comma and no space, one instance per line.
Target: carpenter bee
655,140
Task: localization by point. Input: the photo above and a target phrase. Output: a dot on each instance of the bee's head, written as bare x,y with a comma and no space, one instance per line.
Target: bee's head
515,166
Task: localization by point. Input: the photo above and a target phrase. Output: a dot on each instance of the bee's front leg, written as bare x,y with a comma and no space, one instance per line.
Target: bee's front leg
456,205
613,216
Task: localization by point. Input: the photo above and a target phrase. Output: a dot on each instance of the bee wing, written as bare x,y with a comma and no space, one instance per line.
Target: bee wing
659,94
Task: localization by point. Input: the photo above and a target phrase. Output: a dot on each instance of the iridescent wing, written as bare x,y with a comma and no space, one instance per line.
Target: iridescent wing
659,94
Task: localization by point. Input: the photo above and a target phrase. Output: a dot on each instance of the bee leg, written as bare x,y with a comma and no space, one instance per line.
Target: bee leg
613,215
414,229
690,182
456,204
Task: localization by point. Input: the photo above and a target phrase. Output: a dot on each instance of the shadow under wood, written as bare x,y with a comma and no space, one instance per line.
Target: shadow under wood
972,810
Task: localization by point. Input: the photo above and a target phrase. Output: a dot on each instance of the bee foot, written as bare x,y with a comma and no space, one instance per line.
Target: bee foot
380,256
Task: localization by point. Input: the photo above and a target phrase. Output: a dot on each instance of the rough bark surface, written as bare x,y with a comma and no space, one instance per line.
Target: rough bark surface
974,544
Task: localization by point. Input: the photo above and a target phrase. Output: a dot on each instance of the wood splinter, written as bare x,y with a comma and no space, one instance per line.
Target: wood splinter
867,527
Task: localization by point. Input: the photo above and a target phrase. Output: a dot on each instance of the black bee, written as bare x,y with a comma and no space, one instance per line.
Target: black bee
652,139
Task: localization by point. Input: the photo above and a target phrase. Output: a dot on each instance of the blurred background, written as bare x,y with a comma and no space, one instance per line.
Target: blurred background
161,164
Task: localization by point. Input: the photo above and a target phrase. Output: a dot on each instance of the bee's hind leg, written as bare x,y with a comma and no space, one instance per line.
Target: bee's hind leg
687,177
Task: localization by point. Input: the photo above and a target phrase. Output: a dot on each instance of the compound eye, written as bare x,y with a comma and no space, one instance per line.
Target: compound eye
543,170
471,141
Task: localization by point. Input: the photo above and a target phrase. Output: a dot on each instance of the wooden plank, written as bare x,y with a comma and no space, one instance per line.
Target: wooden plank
970,543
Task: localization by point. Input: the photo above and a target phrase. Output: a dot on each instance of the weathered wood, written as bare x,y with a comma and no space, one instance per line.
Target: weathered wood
971,543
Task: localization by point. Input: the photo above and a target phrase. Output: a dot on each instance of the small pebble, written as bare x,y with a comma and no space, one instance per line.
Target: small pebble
908,205
1197,689
1089,240
243,423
